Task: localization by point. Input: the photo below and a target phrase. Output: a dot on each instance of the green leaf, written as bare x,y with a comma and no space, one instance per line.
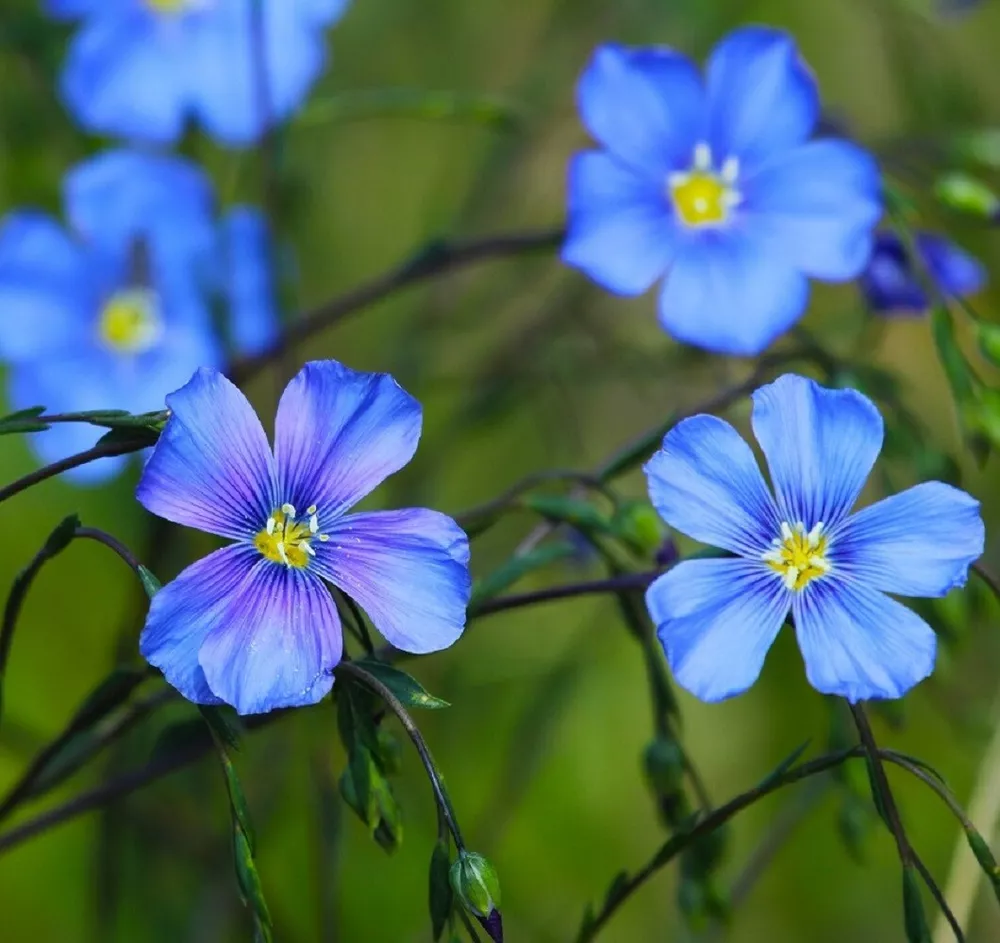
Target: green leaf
617,889
914,919
149,581
440,893
406,688
61,537
984,855
956,367
24,420
114,690
224,723
563,509
248,881
784,766
139,436
518,567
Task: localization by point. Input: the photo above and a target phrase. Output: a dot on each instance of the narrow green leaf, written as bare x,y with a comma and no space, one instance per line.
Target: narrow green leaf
956,367
409,691
785,765
618,886
224,723
984,855
140,436
441,896
149,581
518,567
563,509
61,537
914,919
250,885
113,691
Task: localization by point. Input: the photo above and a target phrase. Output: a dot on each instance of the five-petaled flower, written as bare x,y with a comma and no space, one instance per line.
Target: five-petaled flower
802,550
252,624
715,187
891,285
139,69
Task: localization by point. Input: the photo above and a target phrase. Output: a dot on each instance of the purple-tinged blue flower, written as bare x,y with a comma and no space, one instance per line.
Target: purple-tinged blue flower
713,186
113,310
892,286
801,549
252,624
140,69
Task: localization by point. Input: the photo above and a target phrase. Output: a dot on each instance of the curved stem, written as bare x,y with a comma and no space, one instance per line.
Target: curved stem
613,584
112,543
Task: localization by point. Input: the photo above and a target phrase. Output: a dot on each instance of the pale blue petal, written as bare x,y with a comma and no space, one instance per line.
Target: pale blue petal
646,106
820,447
716,620
762,98
47,294
320,12
821,201
211,468
620,228
731,292
917,543
183,612
340,433
858,643
407,569
706,483
74,9
127,77
275,644
248,283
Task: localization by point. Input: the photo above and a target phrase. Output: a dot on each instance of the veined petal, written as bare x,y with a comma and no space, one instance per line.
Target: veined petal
125,76
820,447
340,433
211,468
46,292
858,643
730,292
248,283
646,106
762,98
716,620
275,644
620,229
821,200
407,569
183,612
706,483
920,542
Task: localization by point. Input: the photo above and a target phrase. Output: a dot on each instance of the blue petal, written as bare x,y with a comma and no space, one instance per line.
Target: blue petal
645,106
407,569
47,295
321,12
888,282
858,643
228,100
211,468
126,76
716,620
620,230
956,272
340,433
821,200
705,482
762,98
731,292
74,9
248,285
820,447
182,614
275,644
917,543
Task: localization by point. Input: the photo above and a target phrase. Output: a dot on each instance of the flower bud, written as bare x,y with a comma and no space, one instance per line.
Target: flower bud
966,194
663,762
476,885
638,524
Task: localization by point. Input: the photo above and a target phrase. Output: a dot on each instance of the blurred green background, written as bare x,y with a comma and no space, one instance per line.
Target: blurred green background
521,365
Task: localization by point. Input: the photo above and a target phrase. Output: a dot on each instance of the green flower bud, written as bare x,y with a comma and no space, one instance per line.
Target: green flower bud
476,885
663,762
638,524
966,194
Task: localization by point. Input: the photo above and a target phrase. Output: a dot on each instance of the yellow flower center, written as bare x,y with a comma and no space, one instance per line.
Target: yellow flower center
129,322
701,196
287,540
799,556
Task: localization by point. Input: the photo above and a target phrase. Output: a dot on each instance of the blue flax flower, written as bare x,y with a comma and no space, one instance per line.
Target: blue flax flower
891,286
714,186
252,624
113,310
802,550
139,69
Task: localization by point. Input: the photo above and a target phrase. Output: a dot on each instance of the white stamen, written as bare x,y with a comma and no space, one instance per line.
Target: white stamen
270,526
280,545
773,556
312,509
786,531
815,534
324,538
677,180
819,563
288,509
730,169
702,156
313,524
304,545
791,575
731,199
701,204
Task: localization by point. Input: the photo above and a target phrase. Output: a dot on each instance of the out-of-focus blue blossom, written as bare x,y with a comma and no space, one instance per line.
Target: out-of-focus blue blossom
714,186
252,624
140,69
891,285
113,309
802,550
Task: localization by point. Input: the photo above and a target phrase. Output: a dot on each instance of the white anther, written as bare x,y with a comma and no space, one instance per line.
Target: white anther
702,156
312,509
730,169
288,510
731,199
773,556
271,522
677,180
818,563
313,523
791,575
281,552
304,545
701,204
786,531
815,534
324,537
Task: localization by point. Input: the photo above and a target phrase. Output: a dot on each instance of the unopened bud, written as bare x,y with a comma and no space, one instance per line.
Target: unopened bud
476,885
663,761
967,195
638,524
